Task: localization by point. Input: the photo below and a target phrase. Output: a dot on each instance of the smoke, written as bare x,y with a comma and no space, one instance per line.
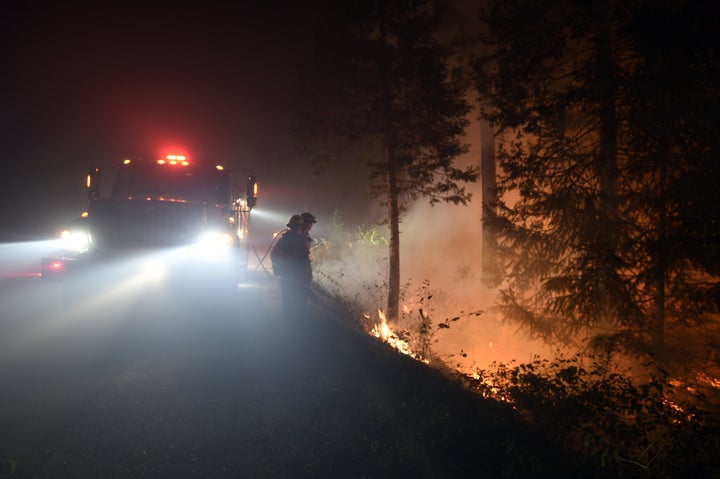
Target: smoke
442,245
441,272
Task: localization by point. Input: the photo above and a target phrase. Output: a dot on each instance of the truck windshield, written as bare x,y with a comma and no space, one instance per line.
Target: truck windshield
188,182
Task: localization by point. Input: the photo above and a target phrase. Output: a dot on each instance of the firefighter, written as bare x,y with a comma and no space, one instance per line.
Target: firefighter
291,264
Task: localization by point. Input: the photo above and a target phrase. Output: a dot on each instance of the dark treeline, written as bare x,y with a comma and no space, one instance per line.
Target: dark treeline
607,218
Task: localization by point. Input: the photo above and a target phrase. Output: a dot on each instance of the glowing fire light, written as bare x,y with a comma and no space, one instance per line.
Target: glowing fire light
384,328
383,331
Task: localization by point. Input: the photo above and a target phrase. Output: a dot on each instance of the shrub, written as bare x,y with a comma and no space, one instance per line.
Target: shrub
614,426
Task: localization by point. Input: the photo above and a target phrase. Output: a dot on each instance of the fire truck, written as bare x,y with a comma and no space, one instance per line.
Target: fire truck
173,219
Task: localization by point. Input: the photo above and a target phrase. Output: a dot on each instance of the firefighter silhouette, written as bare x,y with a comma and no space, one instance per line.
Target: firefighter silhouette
291,264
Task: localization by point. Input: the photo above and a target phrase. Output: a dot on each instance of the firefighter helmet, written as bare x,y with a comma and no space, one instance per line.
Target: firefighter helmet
295,220
308,218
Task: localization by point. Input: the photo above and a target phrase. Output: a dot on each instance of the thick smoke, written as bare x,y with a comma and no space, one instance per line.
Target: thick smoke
441,272
441,246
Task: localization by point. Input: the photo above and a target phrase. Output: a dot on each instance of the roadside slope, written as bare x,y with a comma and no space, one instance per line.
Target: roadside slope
190,390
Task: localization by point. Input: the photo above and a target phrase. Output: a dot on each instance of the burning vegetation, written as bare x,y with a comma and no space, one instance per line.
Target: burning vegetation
628,417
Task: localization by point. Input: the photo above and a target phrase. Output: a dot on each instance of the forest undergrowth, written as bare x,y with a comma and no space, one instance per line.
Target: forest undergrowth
592,402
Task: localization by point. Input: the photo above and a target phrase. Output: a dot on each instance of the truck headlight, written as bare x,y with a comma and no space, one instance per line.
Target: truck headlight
75,240
215,239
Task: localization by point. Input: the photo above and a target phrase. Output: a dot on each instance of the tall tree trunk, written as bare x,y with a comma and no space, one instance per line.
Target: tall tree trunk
391,172
606,99
393,304
658,333
488,180
660,259
607,161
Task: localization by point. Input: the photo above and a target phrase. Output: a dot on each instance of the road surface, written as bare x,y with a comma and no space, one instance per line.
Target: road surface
141,383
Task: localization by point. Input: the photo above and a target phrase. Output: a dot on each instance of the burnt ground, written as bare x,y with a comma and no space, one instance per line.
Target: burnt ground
153,386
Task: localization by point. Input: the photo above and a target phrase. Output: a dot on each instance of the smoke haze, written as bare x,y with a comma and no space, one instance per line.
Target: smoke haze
440,247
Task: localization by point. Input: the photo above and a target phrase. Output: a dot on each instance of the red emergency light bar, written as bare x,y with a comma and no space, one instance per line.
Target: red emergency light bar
174,160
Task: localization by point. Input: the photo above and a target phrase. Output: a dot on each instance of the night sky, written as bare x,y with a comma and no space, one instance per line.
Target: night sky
88,85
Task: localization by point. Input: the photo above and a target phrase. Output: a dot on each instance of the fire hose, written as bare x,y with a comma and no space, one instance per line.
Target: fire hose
261,261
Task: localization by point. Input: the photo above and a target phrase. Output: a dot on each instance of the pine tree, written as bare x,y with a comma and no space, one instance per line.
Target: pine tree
380,91
605,113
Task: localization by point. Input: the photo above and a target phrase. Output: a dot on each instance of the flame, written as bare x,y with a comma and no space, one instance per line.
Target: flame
383,331
384,328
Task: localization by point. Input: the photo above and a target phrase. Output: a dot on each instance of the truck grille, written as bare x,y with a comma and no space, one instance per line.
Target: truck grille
139,224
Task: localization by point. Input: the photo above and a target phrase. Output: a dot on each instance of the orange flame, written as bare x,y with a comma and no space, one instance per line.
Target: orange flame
384,329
